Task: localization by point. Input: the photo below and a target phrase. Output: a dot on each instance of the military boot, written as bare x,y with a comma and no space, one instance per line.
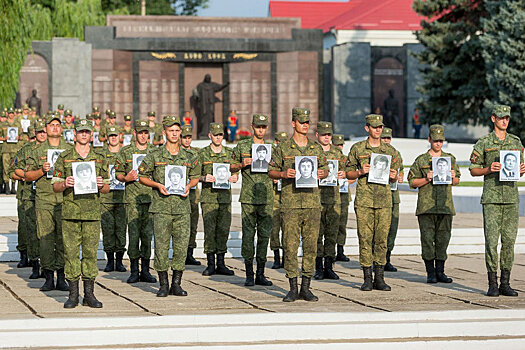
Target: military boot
24,261
305,293
379,278
248,266
190,260
164,284
367,275
431,271
260,279
293,294
282,261
72,301
328,272
110,266
134,276
440,272
13,188
504,285
7,190
35,274
145,275
49,284
176,289
319,271
2,188
61,281
388,266
341,254
221,267
493,284
119,266
210,269
89,295
276,259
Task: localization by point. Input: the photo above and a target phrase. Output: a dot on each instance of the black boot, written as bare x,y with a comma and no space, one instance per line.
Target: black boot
119,266
293,294
388,266
72,301
440,272
260,279
276,259
248,265
431,271
134,276
328,272
164,284
305,292
7,190
210,269
175,285
493,284
341,254
110,266
89,295
319,271
24,262
379,278
61,281
367,275
221,268
145,275
2,188
504,285
49,284
190,260
13,188
36,269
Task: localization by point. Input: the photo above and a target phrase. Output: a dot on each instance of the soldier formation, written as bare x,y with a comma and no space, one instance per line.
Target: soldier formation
78,176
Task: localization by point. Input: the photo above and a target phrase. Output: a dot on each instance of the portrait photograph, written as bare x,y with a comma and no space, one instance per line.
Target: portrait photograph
85,176
96,141
114,184
126,139
25,123
441,168
137,160
52,156
331,179
510,165
393,186
69,135
221,173
12,134
175,179
261,155
379,169
151,136
305,171
343,186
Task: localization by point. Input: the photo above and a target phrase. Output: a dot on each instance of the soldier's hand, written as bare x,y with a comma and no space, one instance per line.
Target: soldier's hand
186,191
209,178
100,182
234,178
132,176
275,181
341,174
70,181
522,169
400,178
495,167
289,174
247,161
430,175
365,169
393,174
162,189
46,166
453,174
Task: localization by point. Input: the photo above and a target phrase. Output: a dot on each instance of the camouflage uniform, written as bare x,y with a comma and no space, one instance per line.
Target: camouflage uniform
9,149
194,198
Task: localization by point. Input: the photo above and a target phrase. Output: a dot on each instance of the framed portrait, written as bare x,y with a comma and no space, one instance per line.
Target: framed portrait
96,141
305,172
379,168
510,165
221,172
52,156
343,186
126,139
114,184
331,179
137,160
441,168
261,155
85,176
25,123
12,134
175,179
69,135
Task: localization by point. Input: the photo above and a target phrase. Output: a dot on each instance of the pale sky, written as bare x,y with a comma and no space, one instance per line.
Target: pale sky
241,8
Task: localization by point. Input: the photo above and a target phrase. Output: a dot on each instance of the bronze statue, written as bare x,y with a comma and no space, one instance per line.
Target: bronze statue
34,101
203,102
391,106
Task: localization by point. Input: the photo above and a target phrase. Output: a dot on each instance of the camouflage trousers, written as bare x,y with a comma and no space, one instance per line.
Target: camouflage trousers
328,230
343,220
194,204
49,232
174,228
435,235
372,230
85,235
140,230
300,224
394,224
256,217
500,220
6,162
33,244
217,219
113,223
21,227
275,239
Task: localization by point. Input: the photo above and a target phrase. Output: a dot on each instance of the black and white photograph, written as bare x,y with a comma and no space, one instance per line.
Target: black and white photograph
25,123
52,156
126,140
85,177
151,136
137,159
441,168
12,134
510,165
261,155
393,186
114,184
305,172
175,179
331,179
96,141
69,135
379,169
221,173
343,186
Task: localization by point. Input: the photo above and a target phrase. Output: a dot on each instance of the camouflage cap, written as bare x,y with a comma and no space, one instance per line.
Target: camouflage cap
437,132
141,125
60,107
10,110
113,130
301,114
281,136
95,109
387,132
324,128
338,139
170,120
187,130
31,132
25,106
501,111
19,110
68,112
83,124
151,114
112,115
108,111
89,116
127,117
96,116
40,126
259,119
374,120
33,109
51,117
216,128
2,114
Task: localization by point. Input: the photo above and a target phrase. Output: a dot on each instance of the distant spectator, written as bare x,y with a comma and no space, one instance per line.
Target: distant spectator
416,123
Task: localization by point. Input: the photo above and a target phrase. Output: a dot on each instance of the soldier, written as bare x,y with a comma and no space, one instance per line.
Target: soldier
170,211
373,202
275,240
25,122
256,203
60,111
48,206
127,131
10,146
111,121
138,200
215,202
435,207
186,138
95,110
155,130
300,206
386,136
3,119
97,128
81,215
500,200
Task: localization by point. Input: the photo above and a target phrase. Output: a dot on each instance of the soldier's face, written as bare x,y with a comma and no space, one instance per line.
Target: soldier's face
54,129
386,139
324,139
261,155
301,128
374,132
83,137
435,145
172,133
69,119
442,167
500,123
97,121
127,122
41,136
142,137
216,139
25,111
259,131
510,162
10,115
306,169
113,140
222,174
186,141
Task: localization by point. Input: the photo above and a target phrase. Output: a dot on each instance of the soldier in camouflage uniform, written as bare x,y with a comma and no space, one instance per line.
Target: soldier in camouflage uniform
138,201
9,149
373,203
3,119
127,129
500,200
256,203
171,212
81,215
300,206
95,110
435,207
275,237
111,122
68,121
97,128
215,202
155,130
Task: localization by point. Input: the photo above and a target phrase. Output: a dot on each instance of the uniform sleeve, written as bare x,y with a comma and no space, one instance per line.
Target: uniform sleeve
415,172
322,162
102,133
237,154
30,162
276,163
352,162
104,170
456,167
195,168
147,166
15,162
231,157
120,163
59,175
477,157
400,160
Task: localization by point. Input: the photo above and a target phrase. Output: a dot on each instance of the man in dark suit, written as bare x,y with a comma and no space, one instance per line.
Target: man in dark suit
441,172
260,163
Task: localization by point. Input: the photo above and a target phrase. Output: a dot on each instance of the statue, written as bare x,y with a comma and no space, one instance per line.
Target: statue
34,101
391,106
203,102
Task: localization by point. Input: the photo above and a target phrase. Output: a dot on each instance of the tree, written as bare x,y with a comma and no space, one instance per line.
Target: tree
156,7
